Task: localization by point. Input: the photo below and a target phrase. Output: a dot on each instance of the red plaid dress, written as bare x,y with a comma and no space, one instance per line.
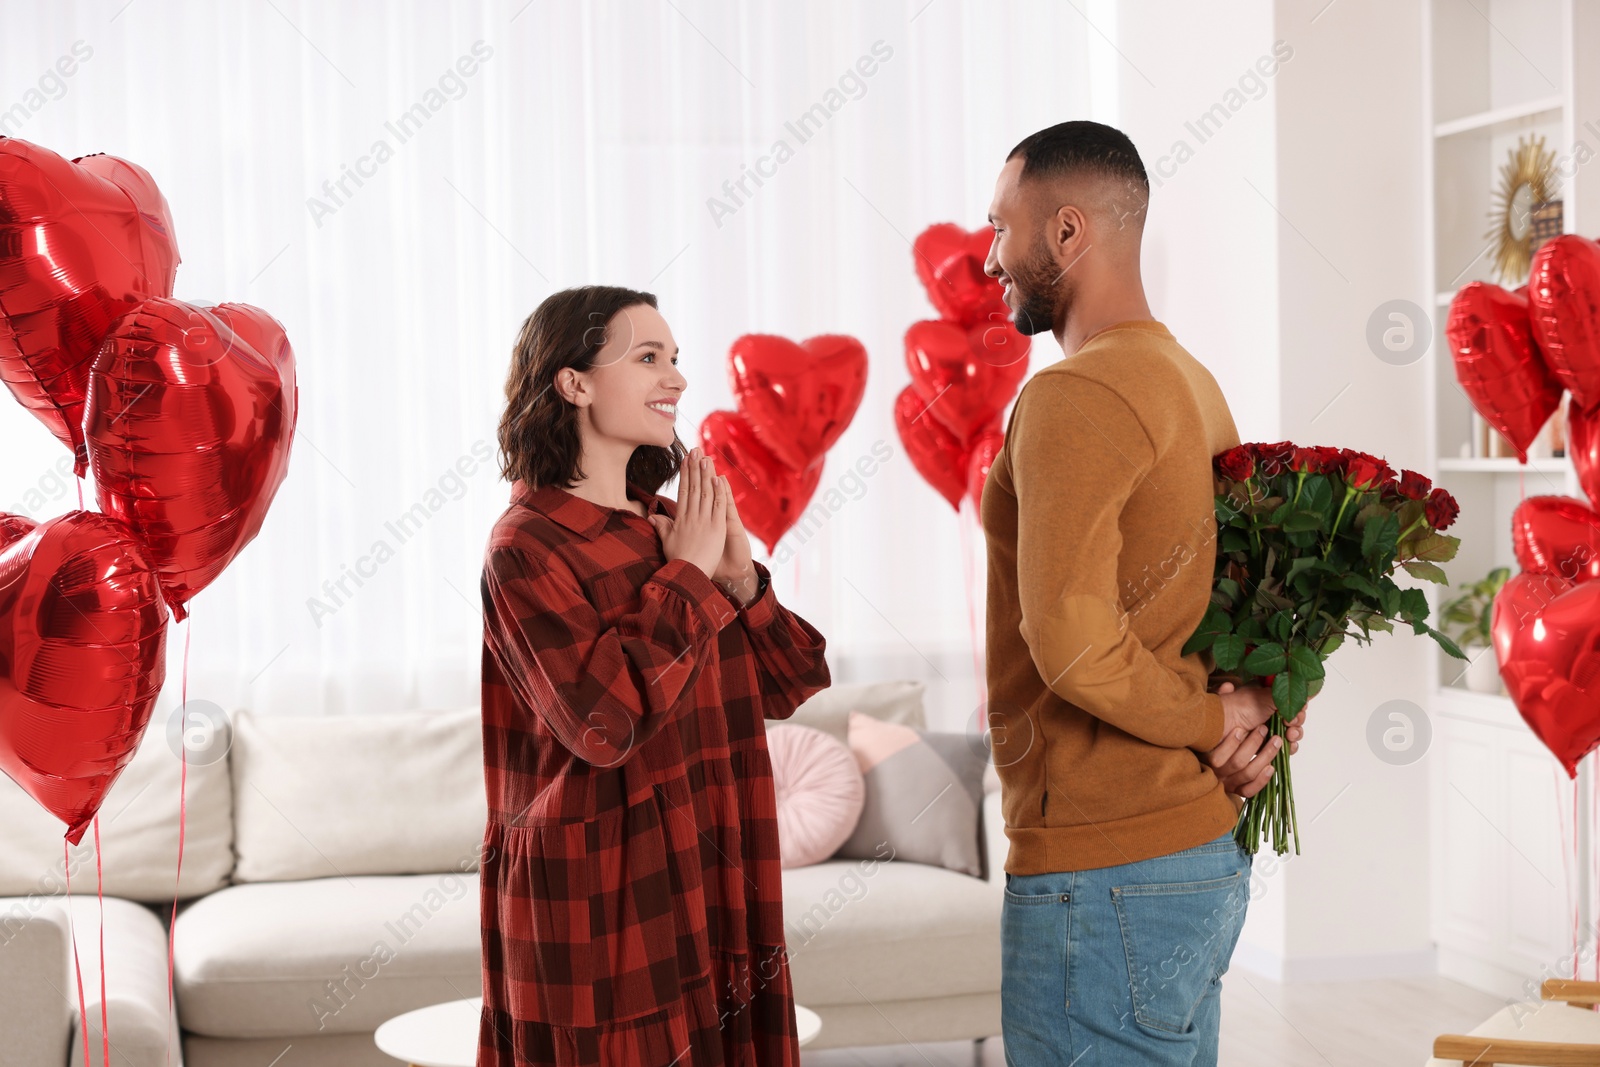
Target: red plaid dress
630,885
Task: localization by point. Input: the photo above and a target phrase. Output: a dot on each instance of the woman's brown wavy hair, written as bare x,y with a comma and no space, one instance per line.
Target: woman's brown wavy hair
540,442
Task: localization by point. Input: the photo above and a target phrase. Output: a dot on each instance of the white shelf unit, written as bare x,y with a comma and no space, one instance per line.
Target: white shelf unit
1505,887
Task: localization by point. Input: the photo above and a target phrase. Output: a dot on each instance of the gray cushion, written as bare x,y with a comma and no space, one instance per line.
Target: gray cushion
924,795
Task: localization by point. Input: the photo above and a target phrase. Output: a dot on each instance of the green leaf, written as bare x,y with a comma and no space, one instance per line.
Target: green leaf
1228,651
1429,571
1317,495
1281,623
1446,644
1289,693
1301,521
1214,622
1265,659
1413,604
1378,537
1304,661
1361,584
1440,548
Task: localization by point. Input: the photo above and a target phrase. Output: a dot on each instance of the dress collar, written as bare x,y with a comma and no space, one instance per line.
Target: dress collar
582,517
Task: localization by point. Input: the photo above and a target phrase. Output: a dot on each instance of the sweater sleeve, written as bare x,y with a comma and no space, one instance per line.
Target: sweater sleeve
789,651
602,690
1077,452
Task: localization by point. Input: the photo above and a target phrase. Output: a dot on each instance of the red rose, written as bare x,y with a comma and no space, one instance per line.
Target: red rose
1414,486
1332,459
1442,508
1237,463
1274,458
1364,472
1306,459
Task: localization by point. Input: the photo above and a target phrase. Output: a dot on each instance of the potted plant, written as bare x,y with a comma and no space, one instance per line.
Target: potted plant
1466,618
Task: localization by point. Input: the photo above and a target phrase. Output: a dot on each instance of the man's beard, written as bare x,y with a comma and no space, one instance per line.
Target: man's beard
1040,299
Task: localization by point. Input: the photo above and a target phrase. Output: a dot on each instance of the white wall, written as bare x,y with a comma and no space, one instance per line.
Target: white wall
1351,156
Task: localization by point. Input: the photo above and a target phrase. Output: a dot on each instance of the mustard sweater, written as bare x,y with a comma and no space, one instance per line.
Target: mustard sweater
1101,538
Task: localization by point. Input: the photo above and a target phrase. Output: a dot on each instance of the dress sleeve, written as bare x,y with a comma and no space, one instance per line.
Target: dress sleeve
602,690
788,651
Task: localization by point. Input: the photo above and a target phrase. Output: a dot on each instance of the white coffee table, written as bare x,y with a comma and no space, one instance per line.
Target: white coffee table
808,1023
446,1035
440,1035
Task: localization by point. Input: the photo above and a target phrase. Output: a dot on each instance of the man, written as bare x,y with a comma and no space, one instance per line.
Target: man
1124,891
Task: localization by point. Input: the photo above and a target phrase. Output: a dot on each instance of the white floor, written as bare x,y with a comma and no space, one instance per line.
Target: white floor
1267,1024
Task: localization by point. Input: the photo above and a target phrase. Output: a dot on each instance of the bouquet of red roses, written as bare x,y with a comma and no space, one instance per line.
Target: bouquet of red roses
1309,541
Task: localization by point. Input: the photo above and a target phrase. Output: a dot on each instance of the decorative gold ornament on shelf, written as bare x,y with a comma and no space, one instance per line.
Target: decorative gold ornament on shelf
1526,187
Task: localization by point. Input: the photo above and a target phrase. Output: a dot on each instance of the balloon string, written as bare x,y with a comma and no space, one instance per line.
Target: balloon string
72,931
1594,872
100,891
183,785
1576,858
1568,881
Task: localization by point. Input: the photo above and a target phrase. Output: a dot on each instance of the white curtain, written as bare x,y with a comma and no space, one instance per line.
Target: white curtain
401,183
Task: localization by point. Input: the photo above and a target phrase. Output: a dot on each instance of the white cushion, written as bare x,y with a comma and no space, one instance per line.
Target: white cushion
829,710
897,930
138,829
323,796
325,956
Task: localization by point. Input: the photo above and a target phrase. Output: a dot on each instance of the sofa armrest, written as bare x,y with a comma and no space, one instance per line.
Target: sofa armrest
35,947
995,843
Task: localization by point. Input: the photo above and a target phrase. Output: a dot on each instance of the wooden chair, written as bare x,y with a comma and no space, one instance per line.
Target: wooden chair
1561,1031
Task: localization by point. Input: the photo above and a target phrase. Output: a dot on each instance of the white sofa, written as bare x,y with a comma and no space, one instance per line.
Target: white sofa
329,882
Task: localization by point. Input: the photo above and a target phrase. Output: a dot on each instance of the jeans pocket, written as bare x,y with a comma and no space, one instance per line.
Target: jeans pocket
1178,937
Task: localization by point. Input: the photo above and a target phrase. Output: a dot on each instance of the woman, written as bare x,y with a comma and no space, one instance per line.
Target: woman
631,890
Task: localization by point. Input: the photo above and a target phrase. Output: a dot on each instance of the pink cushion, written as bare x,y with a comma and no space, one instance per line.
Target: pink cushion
820,792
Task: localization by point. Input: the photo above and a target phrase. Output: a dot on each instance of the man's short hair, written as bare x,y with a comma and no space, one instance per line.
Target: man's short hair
1079,147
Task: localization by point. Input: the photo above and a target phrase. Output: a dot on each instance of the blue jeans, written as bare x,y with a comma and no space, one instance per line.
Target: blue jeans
1121,965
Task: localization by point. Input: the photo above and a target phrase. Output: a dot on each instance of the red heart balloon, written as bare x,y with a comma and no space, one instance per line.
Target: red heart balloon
190,419
798,398
1498,363
1557,535
1564,303
769,495
1583,447
950,262
81,243
83,637
980,458
1546,634
966,375
937,454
